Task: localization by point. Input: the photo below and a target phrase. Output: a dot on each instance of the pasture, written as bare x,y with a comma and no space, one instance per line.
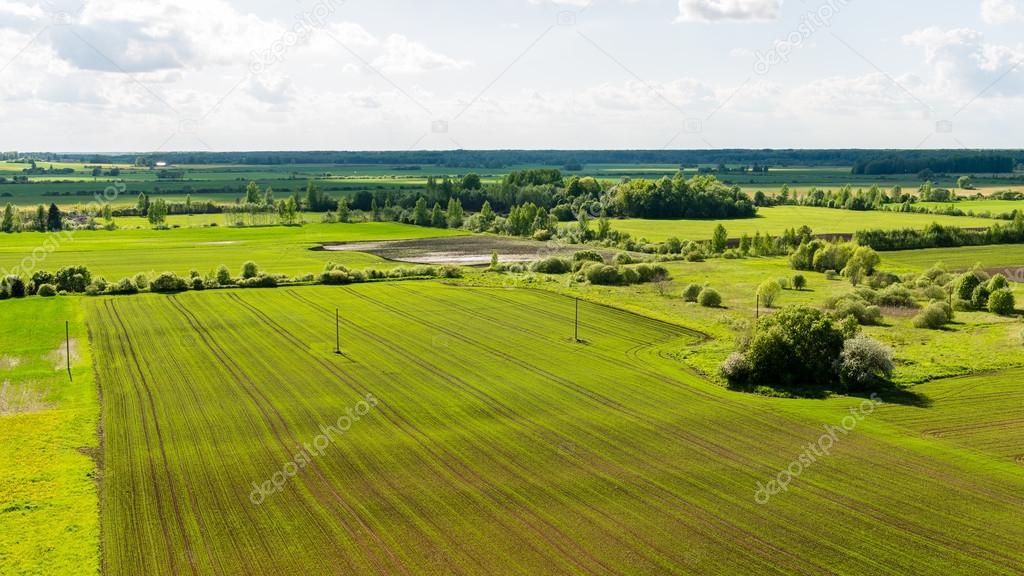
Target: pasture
598,457
277,249
777,220
49,442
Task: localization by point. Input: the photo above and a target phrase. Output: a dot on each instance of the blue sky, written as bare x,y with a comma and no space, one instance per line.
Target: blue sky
117,75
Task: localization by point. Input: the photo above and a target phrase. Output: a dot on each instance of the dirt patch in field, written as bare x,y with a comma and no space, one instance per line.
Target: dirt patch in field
59,357
21,399
9,362
462,250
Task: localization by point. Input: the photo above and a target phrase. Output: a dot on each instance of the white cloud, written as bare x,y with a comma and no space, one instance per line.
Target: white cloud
728,10
404,56
998,12
963,64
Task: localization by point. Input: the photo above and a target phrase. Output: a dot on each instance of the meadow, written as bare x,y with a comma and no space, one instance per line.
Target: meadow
49,442
278,249
776,220
592,457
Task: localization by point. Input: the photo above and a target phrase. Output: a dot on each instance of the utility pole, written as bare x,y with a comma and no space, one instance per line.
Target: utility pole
67,344
577,333
337,331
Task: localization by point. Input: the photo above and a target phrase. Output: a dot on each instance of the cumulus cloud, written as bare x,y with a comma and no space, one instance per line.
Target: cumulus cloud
728,10
963,63
998,12
403,56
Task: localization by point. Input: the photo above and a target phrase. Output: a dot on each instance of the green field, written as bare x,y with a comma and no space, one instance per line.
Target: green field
1006,258
277,249
599,457
777,220
49,504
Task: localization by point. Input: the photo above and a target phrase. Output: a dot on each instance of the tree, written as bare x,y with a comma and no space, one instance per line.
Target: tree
8,222
40,220
768,292
437,219
719,240
420,215
142,205
799,282
268,197
252,193
470,181
287,211
157,214
964,183
1001,302
455,214
865,363
604,226
375,209
494,259
343,210
796,347
108,214
487,214
223,276
583,224
54,219
250,270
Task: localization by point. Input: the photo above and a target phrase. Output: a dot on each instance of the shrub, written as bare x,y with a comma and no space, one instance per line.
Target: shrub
261,280
865,315
16,287
864,363
796,347
552,265
933,293
735,368
799,282
897,296
450,271
603,275
1002,302
224,276
588,256
46,290
650,273
73,278
768,292
197,283
966,284
709,298
250,270
141,281
168,282
831,275
623,258
998,282
691,292
979,299
123,286
935,316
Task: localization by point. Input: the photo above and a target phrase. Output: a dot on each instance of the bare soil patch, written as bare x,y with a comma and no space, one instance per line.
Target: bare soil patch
21,399
59,357
9,362
461,250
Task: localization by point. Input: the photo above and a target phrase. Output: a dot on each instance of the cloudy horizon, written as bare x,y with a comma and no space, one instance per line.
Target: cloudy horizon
219,75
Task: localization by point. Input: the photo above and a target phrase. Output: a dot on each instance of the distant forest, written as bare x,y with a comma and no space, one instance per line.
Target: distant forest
863,161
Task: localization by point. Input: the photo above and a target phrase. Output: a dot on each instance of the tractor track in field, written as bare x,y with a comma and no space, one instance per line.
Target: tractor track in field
847,503
129,351
262,403
740,535
721,451
942,432
301,345
457,467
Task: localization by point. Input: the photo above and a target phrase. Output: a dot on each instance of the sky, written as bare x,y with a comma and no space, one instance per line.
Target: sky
221,75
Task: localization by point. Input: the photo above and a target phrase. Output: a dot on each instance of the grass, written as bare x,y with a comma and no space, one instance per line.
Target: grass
498,446
277,249
995,258
777,220
48,434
